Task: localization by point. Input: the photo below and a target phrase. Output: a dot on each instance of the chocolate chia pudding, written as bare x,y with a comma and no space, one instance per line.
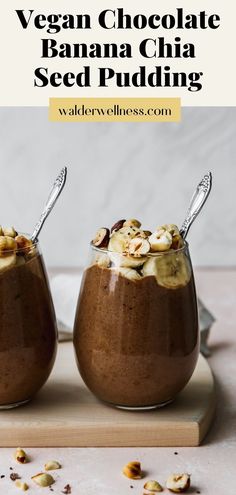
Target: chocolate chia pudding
28,335
136,326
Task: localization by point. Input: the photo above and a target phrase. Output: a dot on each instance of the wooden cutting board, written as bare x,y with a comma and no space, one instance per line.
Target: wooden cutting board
65,413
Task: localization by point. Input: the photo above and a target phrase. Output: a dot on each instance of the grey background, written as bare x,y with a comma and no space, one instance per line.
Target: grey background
119,170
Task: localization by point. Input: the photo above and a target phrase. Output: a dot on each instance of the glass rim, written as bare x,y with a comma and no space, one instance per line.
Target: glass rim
23,250
151,255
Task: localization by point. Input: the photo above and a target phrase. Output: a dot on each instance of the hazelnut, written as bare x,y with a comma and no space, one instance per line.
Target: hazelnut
132,223
178,483
128,232
118,225
177,241
52,465
153,486
23,244
43,479
170,227
144,233
138,246
101,238
133,470
160,240
20,456
23,486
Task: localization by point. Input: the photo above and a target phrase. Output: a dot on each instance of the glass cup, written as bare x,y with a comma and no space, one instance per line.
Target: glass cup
28,334
136,333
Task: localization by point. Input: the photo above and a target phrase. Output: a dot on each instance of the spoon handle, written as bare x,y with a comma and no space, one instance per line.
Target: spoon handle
53,196
198,200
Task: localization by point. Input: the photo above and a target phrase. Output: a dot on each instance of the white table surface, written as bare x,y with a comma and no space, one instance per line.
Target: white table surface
97,471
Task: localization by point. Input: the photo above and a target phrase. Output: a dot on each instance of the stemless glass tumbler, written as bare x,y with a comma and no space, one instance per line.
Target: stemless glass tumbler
136,327
28,335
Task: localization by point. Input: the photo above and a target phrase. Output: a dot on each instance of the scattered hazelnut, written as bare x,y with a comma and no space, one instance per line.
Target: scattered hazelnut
178,483
20,456
153,486
101,238
133,470
23,486
7,244
118,225
51,465
43,479
14,476
132,223
9,231
138,246
67,489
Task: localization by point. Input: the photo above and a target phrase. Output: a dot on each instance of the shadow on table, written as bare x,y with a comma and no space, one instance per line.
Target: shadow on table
224,424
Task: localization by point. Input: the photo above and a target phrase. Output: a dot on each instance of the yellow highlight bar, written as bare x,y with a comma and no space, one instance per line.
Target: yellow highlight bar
115,109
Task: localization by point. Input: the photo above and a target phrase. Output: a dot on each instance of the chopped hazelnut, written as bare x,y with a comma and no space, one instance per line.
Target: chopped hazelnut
178,483
43,479
21,456
23,486
52,465
133,470
153,486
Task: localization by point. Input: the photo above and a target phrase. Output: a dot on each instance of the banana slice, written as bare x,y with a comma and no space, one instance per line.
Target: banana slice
117,242
171,270
7,244
7,262
9,231
160,240
121,260
102,260
128,273
150,267
119,239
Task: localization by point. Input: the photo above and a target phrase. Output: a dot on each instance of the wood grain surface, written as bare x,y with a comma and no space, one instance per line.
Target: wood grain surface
65,413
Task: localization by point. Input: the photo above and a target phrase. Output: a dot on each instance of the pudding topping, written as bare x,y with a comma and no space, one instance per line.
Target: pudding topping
15,249
135,253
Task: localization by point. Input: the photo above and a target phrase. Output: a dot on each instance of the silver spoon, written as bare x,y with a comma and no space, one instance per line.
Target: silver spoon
53,196
198,200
